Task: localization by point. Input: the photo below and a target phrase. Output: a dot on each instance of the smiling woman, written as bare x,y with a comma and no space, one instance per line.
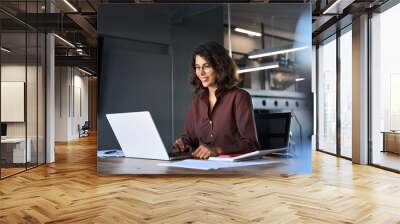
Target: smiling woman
210,60
220,118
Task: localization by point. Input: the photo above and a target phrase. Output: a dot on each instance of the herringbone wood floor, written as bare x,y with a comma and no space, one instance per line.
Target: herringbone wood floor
70,191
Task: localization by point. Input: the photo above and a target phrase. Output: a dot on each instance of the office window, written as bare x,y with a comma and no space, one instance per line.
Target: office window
346,93
385,89
327,96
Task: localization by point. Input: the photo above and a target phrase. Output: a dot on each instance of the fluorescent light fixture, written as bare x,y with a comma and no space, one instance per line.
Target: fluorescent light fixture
84,71
5,49
346,3
330,7
70,5
266,54
299,79
65,41
251,33
79,50
265,67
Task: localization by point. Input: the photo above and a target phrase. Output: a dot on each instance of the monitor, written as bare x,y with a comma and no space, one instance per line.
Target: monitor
273,129
3,129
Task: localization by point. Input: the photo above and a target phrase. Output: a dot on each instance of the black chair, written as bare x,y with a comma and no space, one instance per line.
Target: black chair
84,130
273,131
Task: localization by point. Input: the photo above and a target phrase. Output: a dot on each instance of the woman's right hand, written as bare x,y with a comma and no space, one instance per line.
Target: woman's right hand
179,146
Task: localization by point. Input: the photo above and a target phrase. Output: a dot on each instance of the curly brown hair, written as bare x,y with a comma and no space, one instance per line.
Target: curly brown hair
223,65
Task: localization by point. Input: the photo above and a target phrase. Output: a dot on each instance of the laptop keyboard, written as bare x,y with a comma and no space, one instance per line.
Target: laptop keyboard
179,155
175,154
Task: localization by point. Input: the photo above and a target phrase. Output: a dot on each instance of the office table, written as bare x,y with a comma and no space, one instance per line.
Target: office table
13,150
123,165
391,141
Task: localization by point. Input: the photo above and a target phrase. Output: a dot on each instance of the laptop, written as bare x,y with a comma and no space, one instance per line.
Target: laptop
273,130
138,136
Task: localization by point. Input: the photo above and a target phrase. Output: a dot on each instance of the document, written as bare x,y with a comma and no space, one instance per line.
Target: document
110,153
247,156
213,165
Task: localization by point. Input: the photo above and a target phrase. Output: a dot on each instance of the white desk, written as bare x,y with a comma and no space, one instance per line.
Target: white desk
18,149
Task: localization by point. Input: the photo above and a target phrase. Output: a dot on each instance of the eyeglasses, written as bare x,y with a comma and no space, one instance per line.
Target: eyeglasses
205,67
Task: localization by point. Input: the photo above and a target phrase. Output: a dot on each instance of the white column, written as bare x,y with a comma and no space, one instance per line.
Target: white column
50,93
360,90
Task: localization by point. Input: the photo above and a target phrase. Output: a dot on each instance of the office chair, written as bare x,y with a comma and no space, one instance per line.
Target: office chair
84,130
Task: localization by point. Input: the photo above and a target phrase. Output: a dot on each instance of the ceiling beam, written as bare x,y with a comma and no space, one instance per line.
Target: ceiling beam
83,61
86,26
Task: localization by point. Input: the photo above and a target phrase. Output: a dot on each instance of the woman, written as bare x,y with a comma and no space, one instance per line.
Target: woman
220,118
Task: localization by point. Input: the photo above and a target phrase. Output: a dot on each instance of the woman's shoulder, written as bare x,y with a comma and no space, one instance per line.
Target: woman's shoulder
239,92
197,97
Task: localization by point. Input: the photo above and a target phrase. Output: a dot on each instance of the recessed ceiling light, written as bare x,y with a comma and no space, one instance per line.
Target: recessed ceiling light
266,52
84,71
5,50
265,67
248,32
70,5
65,41
331,7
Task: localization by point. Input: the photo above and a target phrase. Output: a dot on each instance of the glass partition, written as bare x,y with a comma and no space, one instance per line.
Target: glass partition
270,45
22,89
14,152
327,96
31,100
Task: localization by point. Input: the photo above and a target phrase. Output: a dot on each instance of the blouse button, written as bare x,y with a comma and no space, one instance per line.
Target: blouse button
210,121
212,135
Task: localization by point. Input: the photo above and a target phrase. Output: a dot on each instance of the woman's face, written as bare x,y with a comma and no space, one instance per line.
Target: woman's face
205,72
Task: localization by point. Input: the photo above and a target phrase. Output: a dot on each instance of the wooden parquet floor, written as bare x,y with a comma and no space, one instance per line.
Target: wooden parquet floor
70,191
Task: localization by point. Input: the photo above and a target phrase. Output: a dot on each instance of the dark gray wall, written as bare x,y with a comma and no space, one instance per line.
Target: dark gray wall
193,28
133,79
144,62
137,22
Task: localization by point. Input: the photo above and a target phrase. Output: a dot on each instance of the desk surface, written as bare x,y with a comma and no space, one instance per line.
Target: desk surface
14,140
122,165
390,132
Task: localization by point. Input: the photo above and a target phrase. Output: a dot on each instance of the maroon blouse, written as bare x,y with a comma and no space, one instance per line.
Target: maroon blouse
230,126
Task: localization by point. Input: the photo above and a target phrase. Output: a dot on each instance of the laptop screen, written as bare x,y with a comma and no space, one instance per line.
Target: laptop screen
272,129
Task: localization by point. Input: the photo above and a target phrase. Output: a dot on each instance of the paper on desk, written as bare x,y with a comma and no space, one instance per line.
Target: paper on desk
110,153
211,165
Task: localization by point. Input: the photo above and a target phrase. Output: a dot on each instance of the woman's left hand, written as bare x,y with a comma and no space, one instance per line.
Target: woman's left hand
203,152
